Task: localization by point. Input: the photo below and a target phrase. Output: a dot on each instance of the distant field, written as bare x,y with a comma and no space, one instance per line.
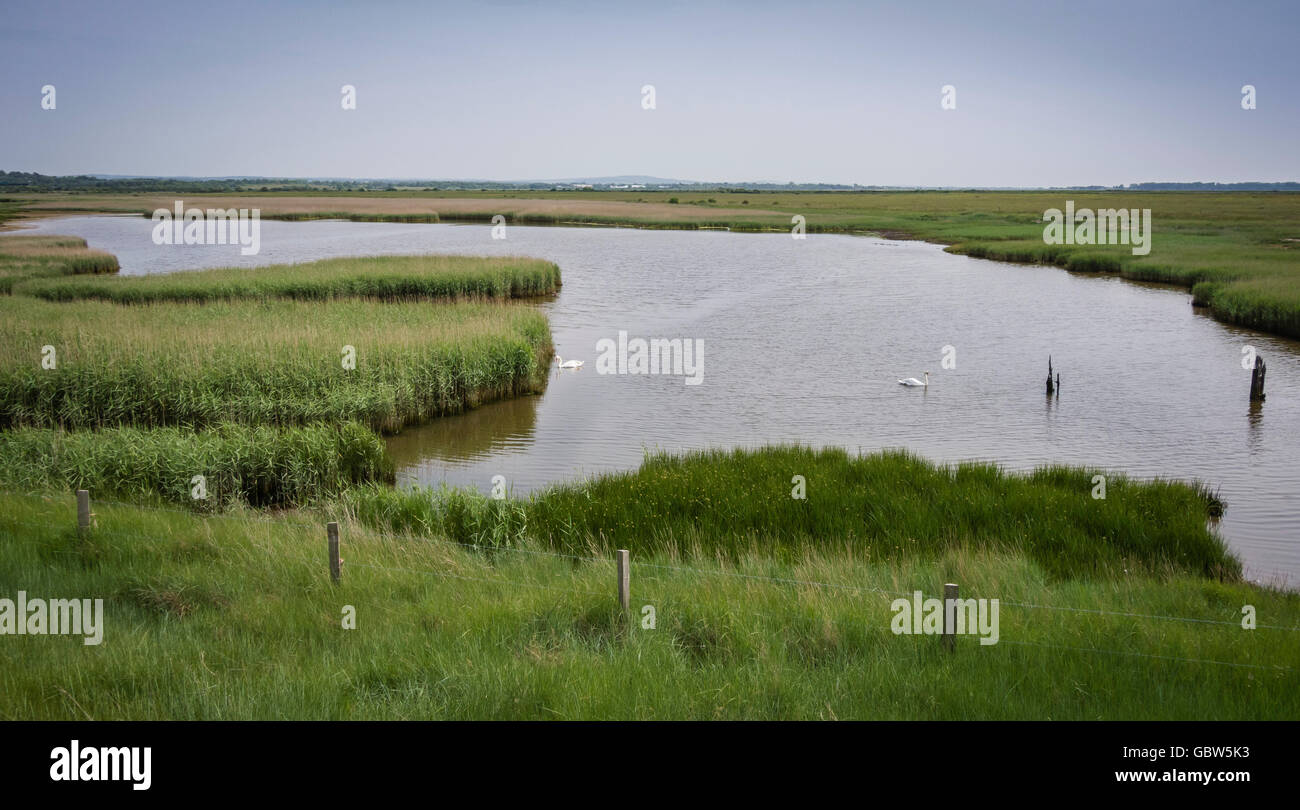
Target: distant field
1239,252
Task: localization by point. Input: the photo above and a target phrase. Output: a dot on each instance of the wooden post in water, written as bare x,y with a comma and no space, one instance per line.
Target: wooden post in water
336,568
83,510
950,617
624,580
1257,380
1049,375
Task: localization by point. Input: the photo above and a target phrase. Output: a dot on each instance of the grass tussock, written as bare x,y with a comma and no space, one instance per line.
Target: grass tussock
882,506
387,278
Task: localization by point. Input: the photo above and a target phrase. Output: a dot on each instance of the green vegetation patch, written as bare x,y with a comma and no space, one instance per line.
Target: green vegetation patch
227,465
44,257
272,362
891,505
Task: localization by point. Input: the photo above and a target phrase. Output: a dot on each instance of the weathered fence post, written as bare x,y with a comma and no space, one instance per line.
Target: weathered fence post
950,617
83,510
624,580
332,529
1257,380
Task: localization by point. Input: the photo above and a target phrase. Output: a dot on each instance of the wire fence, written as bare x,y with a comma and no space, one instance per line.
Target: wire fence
656,572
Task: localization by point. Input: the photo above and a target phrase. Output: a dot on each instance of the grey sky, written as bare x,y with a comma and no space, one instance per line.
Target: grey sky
1048,93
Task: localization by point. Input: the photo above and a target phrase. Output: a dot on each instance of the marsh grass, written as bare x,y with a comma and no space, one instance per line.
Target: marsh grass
241,465
233,616
883,506
387,278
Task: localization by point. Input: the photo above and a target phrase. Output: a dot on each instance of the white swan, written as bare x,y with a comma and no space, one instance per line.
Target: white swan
568,363
914,382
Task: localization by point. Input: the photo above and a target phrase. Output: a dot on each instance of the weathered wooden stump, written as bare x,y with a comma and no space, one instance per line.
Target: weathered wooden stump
1257,380
1050,387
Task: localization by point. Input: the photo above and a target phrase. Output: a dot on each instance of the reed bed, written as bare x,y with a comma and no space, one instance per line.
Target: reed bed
239,465
387,278
44,257
263,362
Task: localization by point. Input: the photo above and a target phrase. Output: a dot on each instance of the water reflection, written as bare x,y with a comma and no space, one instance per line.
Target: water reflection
493,428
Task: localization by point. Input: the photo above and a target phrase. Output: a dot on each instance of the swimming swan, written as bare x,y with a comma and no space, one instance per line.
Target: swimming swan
912,381
568,364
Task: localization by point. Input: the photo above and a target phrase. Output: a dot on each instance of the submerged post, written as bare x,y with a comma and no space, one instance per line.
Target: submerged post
624,580
950,617
83,510
1049,375
332,530
1257,380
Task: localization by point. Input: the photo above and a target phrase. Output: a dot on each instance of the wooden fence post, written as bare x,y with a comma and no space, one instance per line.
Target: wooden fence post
1257,380
950,617
83,510
332,529
624,580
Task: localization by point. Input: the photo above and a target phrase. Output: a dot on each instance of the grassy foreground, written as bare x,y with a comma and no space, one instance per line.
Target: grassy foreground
1239,252
234,616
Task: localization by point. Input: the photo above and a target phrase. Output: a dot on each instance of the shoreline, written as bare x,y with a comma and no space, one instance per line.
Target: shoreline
1229,296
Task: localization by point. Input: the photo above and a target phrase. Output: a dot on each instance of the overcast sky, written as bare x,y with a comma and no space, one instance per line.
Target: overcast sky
1047,93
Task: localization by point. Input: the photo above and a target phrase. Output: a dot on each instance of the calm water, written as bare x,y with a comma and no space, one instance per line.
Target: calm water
804,341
